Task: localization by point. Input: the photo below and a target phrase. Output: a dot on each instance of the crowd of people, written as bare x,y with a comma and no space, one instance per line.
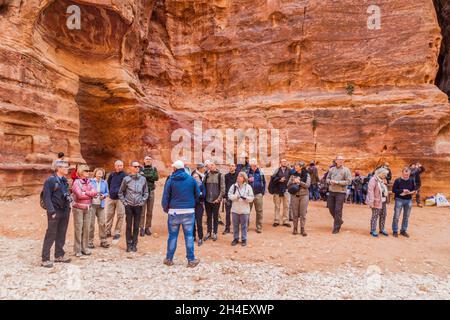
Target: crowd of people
188,195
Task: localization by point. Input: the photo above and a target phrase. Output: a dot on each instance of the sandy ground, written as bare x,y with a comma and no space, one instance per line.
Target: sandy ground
275,264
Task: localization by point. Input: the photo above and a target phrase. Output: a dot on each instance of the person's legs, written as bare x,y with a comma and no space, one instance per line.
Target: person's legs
295,207
418,202
374,219
339,205
303,208
215,214
331,199
173,226
285,201
209,214
136,220
77,229
228,204
50,236
110,211
243,219
188,221
120,210
101,220
407,205
143,215
85,232
259,211
199,220
397,210
235,226
383,214
276,203
92,215
129,225
61,232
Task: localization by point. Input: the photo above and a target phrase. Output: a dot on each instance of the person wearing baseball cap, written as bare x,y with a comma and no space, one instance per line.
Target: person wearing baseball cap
181,192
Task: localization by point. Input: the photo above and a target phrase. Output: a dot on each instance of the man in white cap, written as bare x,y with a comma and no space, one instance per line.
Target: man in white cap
180,194
338,178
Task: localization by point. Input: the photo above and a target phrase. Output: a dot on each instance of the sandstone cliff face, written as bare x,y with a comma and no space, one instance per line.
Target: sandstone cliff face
138,69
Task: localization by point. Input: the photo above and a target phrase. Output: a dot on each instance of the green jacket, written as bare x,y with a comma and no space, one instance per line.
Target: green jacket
151,174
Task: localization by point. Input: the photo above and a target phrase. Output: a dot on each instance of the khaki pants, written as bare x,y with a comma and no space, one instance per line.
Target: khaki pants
147,211
299,207
258,202
99,212
81,221
277,201
113,206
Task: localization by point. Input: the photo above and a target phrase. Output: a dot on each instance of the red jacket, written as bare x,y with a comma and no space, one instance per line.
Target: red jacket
83,192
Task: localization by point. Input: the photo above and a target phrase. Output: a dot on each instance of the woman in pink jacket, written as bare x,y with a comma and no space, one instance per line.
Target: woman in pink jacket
83,192
377,195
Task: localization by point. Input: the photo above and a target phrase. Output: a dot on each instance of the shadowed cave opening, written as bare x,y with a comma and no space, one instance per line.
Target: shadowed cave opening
443,15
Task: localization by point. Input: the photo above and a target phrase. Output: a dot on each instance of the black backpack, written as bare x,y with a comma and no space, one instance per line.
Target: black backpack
41,196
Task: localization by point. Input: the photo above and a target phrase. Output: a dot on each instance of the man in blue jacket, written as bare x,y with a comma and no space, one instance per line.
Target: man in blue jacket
57,203
180,194
257,181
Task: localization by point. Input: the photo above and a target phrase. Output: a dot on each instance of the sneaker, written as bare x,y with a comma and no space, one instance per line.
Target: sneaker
78,254
200,242
128,248
86,253
405,234
207,237
395,234
214,236
303,233
221,223
133,248
286,225
384,233
244,243
142,232
374,234
105,245
258,231
234,242
47,264
116,239
275,224
226,231
148,232
91,246
168,262
63,260
193,263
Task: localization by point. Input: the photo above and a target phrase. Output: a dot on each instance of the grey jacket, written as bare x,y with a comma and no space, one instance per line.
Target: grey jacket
342,176
133,190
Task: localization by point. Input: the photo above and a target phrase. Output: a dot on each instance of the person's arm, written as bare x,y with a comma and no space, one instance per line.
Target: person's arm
328,176
49,186
145,191
307,183
395,188
106,194
166,196
91,192
263,182
370,193
122,189
196,190
76,189
222,187
347,178
108,182
155,175
250,195
231,193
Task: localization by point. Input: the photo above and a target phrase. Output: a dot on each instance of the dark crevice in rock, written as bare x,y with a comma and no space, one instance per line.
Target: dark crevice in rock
443,75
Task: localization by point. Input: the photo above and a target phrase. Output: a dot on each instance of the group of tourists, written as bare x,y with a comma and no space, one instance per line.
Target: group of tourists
187,196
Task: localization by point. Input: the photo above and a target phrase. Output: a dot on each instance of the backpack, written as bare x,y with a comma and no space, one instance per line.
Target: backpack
41,196
271,187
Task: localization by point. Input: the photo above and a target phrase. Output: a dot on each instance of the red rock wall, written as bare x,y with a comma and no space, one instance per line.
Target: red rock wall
138,69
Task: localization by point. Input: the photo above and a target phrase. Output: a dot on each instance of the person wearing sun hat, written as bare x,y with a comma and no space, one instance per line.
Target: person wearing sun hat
181,192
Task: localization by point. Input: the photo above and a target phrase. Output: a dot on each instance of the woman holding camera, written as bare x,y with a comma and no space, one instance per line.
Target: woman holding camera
241,195
298,187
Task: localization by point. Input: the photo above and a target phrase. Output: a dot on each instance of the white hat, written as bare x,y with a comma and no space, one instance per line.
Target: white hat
178,164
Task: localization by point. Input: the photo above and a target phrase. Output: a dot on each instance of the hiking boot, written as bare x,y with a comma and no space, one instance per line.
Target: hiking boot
207,237
105,245
226,231
200,242
244,243
234,242
91,246
258,231
128,247
63,260
133,248
295,231
395,234
142,232
405,234
384,233
374,234
193,263
335,231
214,236
148,232
286,225
168,262
276,224
303,233
47,264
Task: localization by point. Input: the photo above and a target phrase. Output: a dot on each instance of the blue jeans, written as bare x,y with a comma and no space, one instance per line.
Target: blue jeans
174,222
314,193
242,221
400,204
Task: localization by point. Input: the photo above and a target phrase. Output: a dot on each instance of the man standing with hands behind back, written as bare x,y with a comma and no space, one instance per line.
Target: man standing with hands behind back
151,174
338,178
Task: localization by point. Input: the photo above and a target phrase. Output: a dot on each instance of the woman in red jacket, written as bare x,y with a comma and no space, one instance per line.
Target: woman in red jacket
83,192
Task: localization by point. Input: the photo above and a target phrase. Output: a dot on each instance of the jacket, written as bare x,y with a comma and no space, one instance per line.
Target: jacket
239,205
304,185
314,173
56,192
259,182
133,190
181,191
214,182
230,179
114,183
343,177
281,187
83,192
374,198
151,174
103,189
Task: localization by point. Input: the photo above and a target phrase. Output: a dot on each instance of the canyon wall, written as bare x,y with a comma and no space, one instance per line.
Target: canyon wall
137,70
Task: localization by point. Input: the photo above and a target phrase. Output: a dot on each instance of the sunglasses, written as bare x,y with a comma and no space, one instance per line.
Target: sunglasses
135,166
